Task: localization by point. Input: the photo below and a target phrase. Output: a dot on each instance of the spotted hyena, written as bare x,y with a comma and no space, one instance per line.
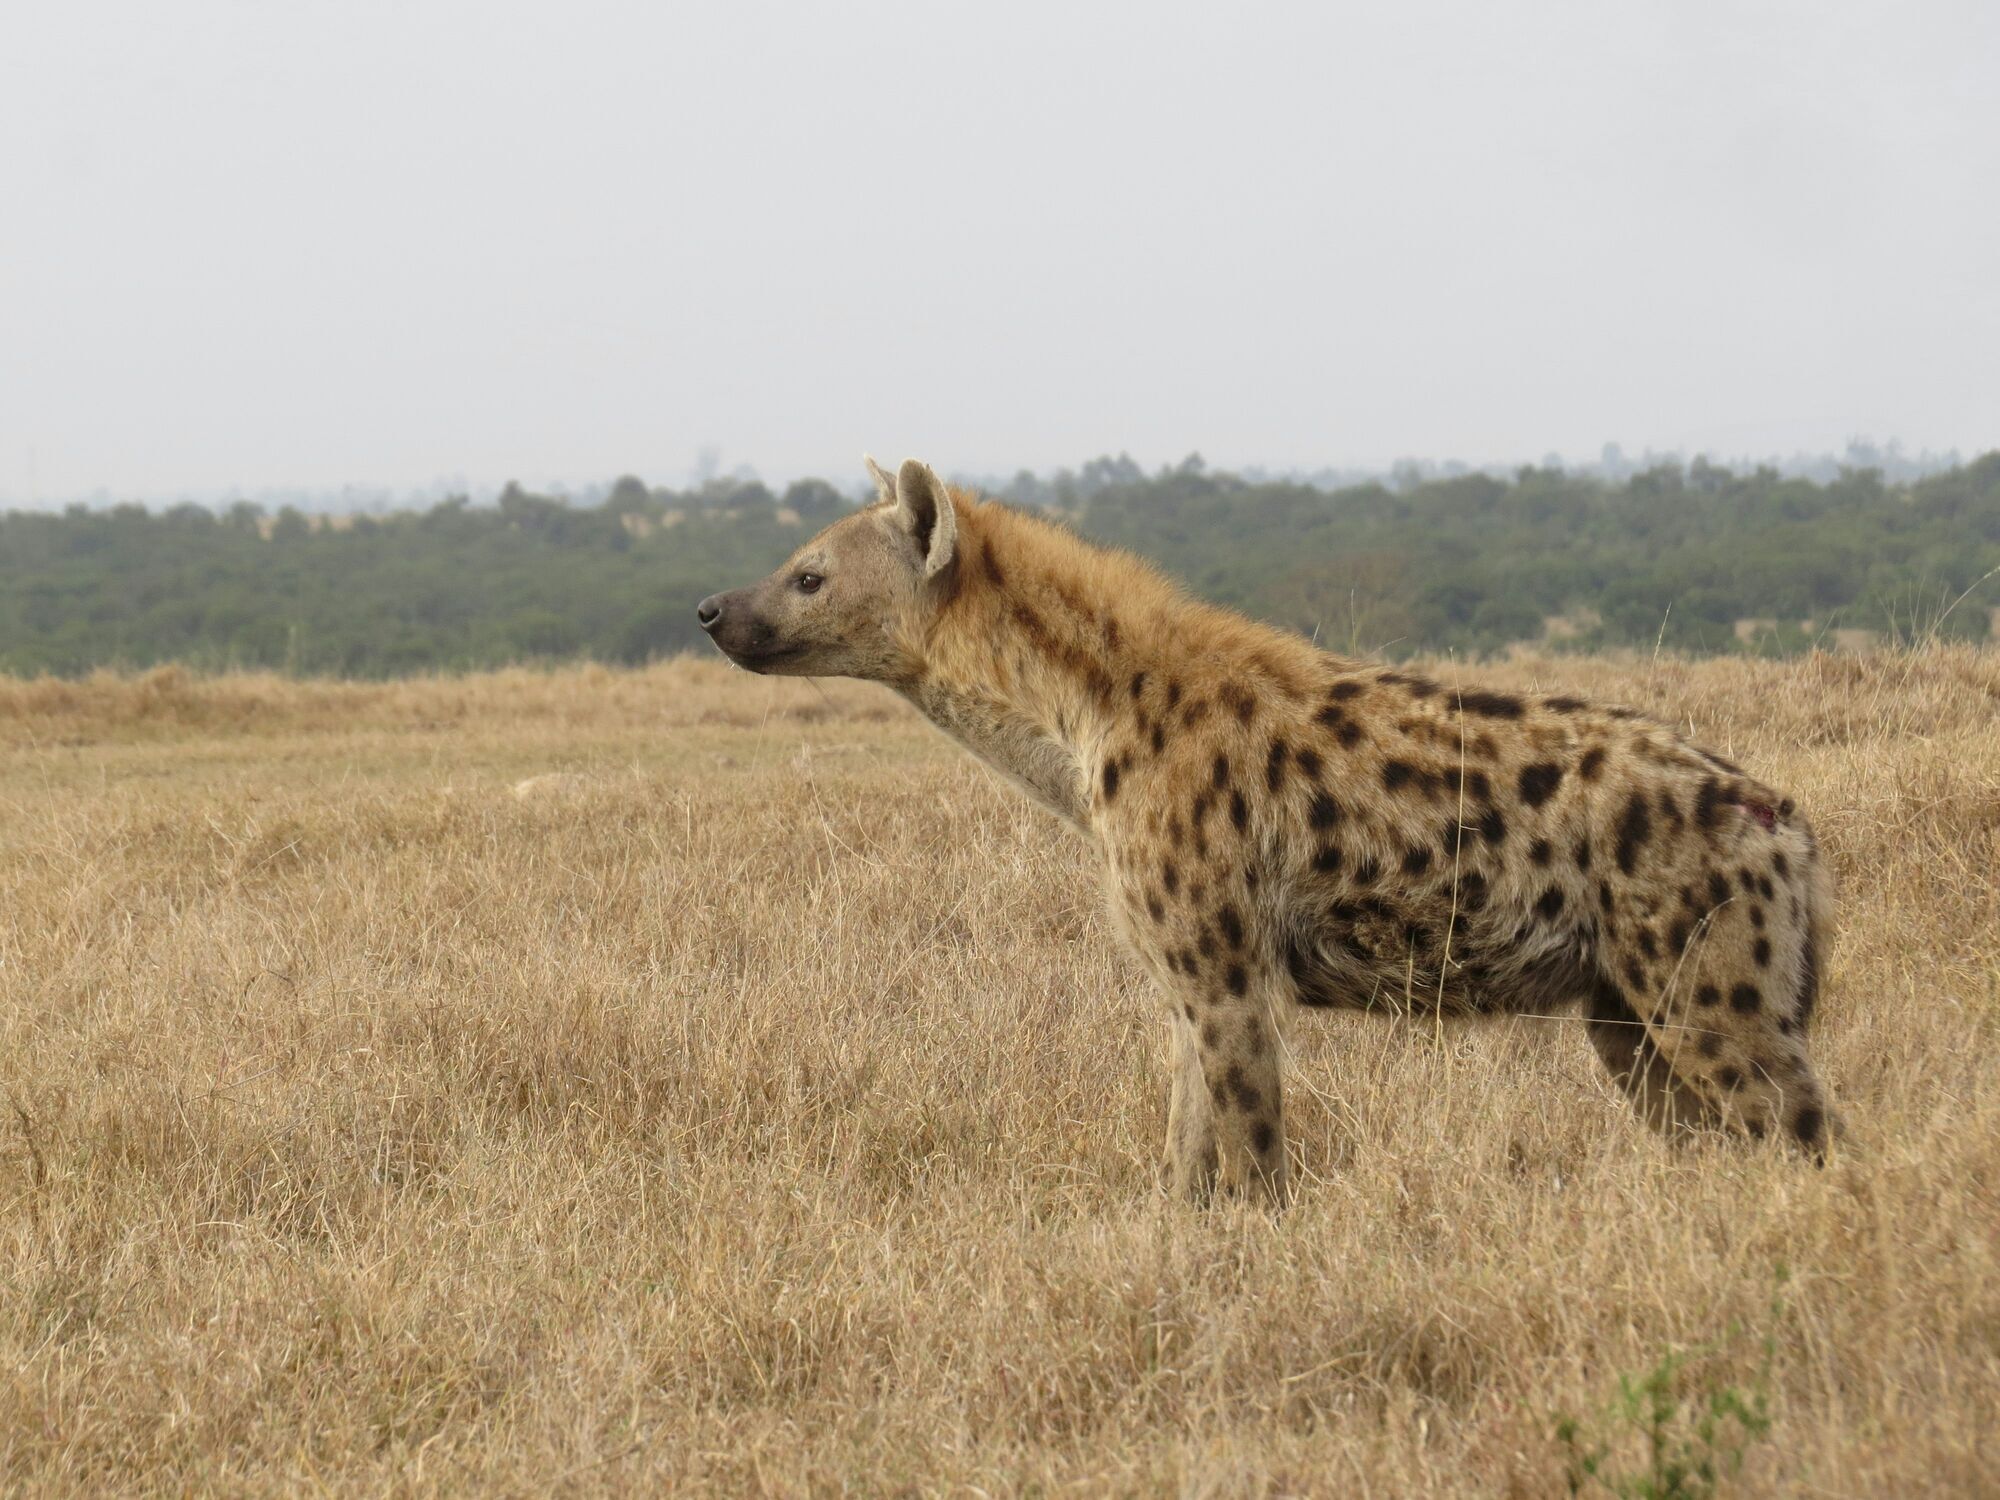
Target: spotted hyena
1279,827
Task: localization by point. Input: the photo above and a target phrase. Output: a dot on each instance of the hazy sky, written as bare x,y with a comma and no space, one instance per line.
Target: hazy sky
276,244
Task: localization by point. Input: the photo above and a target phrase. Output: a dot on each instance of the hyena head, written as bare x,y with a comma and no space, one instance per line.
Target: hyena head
855,600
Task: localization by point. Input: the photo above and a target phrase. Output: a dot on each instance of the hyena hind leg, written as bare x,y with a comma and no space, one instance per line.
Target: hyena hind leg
1732,1056
1661,1097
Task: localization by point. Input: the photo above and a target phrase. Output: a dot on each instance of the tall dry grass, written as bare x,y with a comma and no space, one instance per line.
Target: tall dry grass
753,1100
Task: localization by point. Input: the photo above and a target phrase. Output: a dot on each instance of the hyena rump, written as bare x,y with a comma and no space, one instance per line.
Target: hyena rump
1280,827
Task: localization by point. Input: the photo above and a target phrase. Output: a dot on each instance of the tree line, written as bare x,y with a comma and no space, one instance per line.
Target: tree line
1697,557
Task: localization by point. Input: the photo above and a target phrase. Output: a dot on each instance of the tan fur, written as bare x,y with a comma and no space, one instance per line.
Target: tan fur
1282,827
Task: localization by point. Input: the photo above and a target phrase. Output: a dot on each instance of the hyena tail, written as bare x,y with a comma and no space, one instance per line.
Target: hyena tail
1819,900
1812,957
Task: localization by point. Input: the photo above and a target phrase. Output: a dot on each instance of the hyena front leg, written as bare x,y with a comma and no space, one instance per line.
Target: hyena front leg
1227,1119
1191,1149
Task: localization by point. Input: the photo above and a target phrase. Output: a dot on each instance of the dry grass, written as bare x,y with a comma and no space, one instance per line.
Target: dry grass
756,1103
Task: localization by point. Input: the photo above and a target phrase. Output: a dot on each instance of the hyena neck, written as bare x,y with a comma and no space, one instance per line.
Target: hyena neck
1032,663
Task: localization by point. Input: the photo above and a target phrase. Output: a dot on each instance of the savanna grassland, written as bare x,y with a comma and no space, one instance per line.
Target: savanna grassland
628,1080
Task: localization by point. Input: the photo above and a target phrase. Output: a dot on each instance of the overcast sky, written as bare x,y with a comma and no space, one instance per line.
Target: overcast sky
310,244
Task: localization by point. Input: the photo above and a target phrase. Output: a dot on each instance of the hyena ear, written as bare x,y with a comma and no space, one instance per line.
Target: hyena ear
924,510
885,482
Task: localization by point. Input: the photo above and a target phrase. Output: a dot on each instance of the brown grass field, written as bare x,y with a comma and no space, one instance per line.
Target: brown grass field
754,1102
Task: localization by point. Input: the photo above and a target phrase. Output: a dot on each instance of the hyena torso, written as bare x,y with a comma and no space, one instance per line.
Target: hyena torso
1282,828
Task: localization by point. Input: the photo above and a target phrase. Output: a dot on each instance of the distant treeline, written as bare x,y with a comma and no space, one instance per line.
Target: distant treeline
1698,557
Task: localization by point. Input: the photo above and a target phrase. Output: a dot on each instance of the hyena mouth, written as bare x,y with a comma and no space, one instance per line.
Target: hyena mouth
761,658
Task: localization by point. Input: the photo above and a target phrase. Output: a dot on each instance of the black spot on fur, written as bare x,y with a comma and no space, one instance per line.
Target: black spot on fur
1744,998
1491,705
1729,1078
1765,888
1327,860
1307,760
1678,935
1110,780
1242,702
1780,866
1762,953
1539,852
1647,944
1367,871
1138,683
1236,980
1604,896
1493,827
1636,972
1707,802
1707,995
1274,764
1550,906
1539,782
1231,924
1416,861
1710,1044
1159,739
1591,764
1173,693
1633,831
1400,774
1324,811
1564,705
1418,687
1220,774
1263,1137
1247,1097
1718,888
1344,689
1239,811
1472,785
1170,876
1582,855
1747,880
1472,891
1154,909
1670,809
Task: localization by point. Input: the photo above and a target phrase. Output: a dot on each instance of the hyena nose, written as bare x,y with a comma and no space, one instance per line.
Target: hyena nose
709,611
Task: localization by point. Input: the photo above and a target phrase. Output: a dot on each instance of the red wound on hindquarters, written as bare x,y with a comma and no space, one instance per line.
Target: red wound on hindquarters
1763,812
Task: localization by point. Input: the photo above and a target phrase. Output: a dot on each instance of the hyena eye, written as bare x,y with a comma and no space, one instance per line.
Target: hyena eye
809,583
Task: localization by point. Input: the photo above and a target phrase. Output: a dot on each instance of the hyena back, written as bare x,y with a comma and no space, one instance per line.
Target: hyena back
1283,828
